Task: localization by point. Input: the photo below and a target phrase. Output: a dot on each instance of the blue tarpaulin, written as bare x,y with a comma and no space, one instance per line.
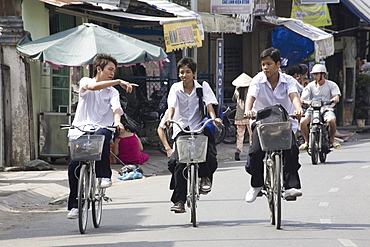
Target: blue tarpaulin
293,47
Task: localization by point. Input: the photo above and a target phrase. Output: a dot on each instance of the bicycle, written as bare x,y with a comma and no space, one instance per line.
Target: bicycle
274,138
87,149
192,150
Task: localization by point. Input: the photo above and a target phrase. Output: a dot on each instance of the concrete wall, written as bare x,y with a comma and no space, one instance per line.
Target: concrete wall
36,21
18,110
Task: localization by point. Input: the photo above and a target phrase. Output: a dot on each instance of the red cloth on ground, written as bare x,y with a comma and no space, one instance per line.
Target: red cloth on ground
129,151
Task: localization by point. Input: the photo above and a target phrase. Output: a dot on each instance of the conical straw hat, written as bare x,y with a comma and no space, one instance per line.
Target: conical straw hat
242,81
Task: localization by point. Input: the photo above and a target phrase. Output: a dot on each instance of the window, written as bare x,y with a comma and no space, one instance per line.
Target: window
60,89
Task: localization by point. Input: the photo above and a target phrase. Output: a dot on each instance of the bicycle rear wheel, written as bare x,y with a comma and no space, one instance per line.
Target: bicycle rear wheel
278,185
193,195
97,195
84,188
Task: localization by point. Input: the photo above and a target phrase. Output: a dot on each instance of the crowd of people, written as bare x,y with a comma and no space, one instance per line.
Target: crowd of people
99,105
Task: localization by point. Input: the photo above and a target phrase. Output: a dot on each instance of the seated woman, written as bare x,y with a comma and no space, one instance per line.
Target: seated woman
128,147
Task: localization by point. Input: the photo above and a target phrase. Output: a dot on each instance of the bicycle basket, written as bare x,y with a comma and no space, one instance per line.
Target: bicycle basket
192,150
86,147
275,136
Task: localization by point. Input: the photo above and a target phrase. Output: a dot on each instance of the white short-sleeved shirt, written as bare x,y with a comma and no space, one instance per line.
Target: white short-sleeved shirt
326,92
95,108
187,106
165,118
261,90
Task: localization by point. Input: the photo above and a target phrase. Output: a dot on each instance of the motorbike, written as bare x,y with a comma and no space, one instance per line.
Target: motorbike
143,116
319,144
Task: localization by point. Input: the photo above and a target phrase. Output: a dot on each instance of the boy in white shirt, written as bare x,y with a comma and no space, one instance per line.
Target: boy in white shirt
183,100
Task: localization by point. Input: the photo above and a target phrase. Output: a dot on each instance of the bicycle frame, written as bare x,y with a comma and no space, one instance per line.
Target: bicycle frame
192,157
274,138
86,150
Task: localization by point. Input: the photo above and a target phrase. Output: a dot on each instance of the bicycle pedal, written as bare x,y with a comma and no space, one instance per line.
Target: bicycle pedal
260,194
107,199
291,198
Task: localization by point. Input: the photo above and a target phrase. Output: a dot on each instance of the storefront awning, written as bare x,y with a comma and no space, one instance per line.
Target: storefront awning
178,32
61,3
324,42
170,7
360,8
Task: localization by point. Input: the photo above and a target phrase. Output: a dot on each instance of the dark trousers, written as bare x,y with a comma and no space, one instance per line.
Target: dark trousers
255,164
102,168
178,182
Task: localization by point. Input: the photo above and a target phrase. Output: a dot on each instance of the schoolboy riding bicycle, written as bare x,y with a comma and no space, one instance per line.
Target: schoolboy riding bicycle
98,105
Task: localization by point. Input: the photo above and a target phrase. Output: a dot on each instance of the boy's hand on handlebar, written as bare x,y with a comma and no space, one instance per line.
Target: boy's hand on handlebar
168,123
249,114
218,121
298,114
119,126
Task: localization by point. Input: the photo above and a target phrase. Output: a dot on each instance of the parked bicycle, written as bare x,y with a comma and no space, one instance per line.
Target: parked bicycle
87,149
192,150
319,144
274,138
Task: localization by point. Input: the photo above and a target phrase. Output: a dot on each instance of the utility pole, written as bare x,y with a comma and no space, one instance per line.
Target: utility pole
194,7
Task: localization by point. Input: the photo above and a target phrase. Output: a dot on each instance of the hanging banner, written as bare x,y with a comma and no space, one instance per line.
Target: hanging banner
315,14
264,7
180,35
231,7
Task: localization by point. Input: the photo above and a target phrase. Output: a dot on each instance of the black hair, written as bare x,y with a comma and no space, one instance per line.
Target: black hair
293,70
303,68
101,60
242,92
273,53
189,62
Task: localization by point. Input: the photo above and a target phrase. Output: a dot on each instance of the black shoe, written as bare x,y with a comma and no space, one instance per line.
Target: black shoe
205,184
203,192
237,156
178,207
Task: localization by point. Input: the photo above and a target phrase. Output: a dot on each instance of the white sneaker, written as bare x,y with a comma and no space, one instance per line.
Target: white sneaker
252,194
293,192
73,213
105,183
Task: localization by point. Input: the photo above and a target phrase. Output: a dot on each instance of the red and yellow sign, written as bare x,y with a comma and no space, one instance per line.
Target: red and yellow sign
180,35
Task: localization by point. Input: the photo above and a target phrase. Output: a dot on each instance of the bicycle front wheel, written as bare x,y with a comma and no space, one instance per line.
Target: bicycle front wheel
278,185
84,188
270,171
314,145
193,195
97,195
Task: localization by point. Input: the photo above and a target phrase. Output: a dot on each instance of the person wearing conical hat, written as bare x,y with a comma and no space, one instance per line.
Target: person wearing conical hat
241,84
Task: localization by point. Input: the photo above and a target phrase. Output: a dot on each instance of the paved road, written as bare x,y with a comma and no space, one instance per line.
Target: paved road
332,212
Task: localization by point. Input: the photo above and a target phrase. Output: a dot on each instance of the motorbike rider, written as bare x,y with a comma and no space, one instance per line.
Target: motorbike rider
326,90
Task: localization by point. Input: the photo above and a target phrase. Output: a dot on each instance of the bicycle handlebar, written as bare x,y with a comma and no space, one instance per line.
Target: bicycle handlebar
67,126
196,130
324,102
